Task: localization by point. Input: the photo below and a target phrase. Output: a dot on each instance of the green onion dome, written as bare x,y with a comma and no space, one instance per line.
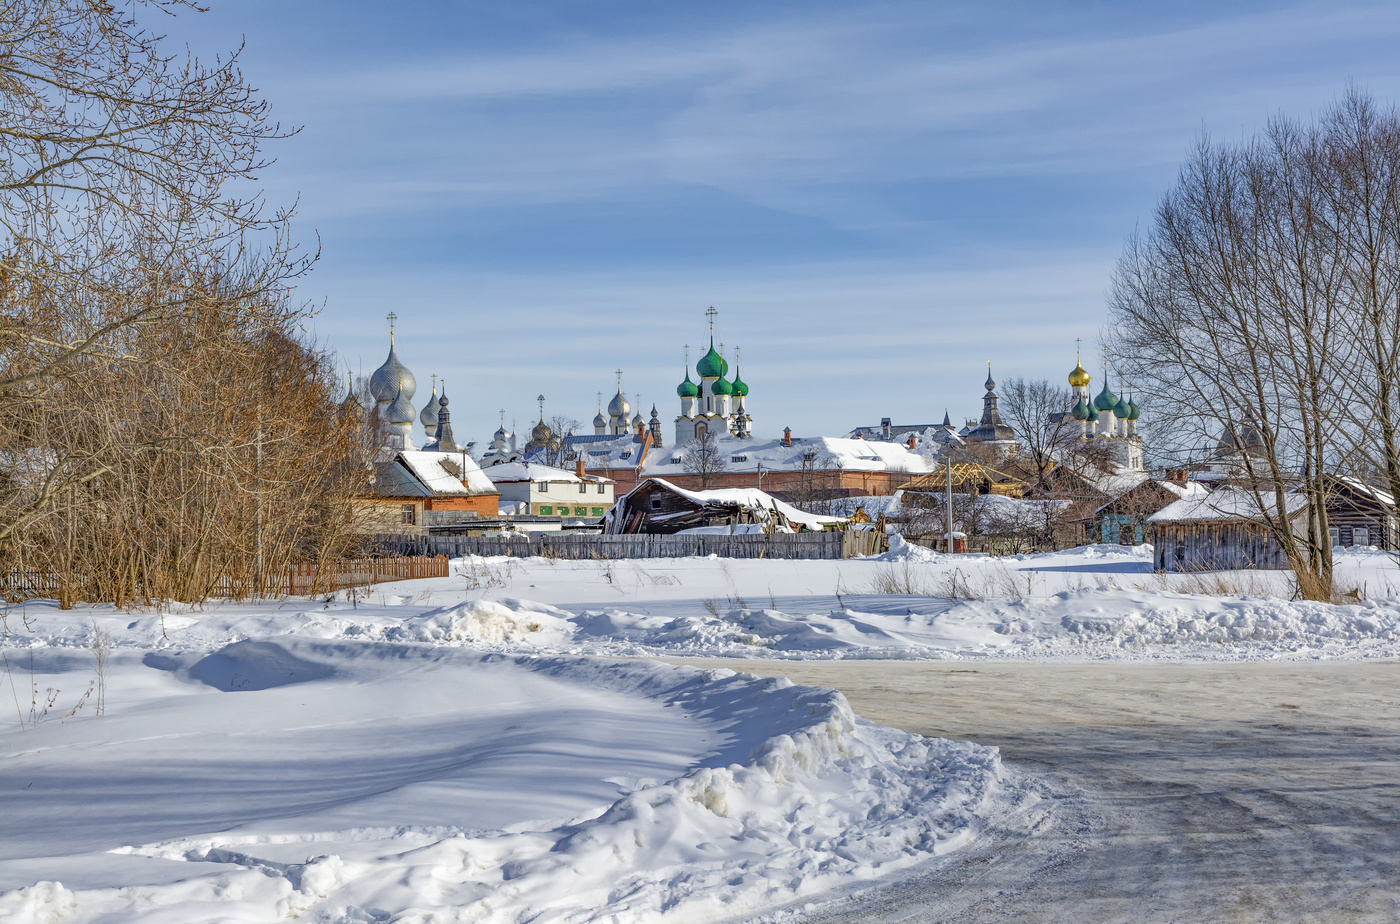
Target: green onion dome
1106,401
687,389
740,389
1082,411
1133,410
1121,409
712,365
721,387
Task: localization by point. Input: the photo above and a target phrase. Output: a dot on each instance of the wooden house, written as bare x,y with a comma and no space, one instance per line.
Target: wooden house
1360,515
1221,531
413,484
657,506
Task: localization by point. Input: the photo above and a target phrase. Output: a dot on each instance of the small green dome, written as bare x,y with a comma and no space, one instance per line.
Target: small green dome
1133,410
712,365
1082,411
722,387
740,389
687,389
1121,409
1106,401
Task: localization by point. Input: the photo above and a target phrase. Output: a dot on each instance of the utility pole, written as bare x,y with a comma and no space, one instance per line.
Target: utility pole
948,466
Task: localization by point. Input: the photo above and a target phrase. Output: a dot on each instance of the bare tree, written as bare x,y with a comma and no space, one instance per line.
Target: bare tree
817,483
562,426
704,459
1030,406
166,431
1229,312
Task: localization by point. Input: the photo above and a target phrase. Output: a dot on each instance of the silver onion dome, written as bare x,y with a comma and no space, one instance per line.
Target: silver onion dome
401,411
392,378
618,406
600,420
429,415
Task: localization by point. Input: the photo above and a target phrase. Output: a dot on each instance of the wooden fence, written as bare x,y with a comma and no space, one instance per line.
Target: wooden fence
830,546
16,584
354,572
298,580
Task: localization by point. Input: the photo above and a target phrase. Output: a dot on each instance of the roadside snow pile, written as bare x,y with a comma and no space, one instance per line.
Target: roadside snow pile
376,782
488,624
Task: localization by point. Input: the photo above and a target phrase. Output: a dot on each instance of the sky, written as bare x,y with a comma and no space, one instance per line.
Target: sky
877,198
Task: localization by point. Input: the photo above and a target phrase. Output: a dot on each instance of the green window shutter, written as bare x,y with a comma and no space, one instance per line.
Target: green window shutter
546,510
598,511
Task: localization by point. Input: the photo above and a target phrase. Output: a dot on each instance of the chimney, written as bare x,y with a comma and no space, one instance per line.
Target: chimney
578,467
787,436
913,441
885,428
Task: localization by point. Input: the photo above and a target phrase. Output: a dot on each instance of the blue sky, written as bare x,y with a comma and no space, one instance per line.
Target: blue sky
876,197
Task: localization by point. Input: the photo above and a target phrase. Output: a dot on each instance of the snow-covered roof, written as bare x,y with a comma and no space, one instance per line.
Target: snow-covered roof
1190,489
536,471
447,473
833,452
751,498
1225,504
1368,490
606,451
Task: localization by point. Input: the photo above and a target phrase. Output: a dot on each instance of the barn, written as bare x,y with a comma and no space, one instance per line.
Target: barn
1222,531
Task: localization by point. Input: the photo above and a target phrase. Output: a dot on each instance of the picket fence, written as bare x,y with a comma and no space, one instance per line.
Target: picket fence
826,545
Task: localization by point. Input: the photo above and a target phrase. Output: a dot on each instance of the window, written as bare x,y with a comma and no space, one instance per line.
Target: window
543,487
1335,536
602,489
738,458
598,511
582,488
656,503
409,514
1360,536
546,510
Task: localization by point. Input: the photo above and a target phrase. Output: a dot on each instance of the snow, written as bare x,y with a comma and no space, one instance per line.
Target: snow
438,470
247,770
476,747
1225,504
831,452
535,471
752,498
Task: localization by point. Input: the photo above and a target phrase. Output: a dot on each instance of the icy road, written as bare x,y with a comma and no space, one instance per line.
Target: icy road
1150,792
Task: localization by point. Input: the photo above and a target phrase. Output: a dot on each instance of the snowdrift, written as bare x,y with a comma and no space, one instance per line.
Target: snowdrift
789,794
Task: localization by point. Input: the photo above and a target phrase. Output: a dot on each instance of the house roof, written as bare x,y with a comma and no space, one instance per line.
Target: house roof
447,473
1225,504
392,479
838,454
751,498
1190,489
1368,490
537,471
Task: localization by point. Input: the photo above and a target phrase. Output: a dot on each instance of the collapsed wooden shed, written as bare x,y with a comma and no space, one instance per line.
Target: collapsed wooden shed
656,506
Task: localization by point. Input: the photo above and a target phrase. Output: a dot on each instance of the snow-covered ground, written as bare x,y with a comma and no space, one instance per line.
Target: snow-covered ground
450,749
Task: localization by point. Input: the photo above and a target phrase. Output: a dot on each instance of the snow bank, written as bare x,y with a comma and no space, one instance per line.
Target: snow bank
792,795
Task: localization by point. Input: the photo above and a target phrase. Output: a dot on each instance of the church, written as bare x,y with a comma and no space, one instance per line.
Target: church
716,404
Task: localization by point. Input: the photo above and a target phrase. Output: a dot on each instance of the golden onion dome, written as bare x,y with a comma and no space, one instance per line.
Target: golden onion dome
1079,377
